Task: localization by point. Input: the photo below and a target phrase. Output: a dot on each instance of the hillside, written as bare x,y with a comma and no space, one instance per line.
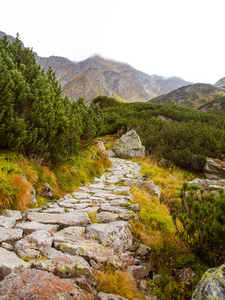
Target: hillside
98,76
193,95
214,105
220,83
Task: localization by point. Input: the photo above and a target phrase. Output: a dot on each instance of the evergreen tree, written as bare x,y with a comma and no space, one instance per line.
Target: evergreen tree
34,118
203,223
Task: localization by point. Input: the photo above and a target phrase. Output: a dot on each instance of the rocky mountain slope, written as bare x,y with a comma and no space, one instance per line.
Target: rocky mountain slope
193,95
216,105
97,76
220,83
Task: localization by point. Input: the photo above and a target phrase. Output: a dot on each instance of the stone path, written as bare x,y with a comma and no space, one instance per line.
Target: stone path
52,252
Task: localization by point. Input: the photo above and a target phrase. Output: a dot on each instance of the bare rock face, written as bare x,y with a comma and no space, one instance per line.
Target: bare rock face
211,285
214,169
129,145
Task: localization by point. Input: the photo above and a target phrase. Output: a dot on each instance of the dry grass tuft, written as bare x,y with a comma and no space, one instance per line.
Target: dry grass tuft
22,197
118,282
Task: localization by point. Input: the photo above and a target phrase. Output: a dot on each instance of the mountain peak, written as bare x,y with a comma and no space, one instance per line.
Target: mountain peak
99,76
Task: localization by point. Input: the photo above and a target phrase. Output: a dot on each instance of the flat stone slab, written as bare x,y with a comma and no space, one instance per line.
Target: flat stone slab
106,296
106,217
112,208
68,267
54,210
10,235
7,222
66,204
15,214
29,227
69,235
9,261
81,195
115,235
90,250
63,220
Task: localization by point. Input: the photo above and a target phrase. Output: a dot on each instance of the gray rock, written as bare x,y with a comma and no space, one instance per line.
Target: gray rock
68,267
7,222
9,262
91,250
51,253
138,272
116,235
214,168
105,296
10,235
129,145
100,144
81,195
29,227
211,285
34,199
54,210
106,217
111,153
135,207
63,220
148,185
28,253
41,238
46,191
7,246
142,250
69,235
15,214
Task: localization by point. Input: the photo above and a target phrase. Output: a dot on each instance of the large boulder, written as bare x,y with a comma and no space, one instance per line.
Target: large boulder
37,284
92,251
115,235
129,145
214,168
211,285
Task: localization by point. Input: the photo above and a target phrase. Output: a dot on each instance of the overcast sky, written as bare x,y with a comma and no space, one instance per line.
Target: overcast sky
182,38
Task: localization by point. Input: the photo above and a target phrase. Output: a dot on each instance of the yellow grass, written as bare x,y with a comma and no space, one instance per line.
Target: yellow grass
118,282
169,179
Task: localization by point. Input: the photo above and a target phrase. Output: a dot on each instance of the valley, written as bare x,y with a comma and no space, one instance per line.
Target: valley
93,221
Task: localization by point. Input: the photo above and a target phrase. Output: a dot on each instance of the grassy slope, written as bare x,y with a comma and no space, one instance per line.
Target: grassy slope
19,175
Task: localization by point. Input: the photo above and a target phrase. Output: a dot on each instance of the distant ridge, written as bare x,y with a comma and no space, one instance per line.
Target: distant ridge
193,95
98,76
